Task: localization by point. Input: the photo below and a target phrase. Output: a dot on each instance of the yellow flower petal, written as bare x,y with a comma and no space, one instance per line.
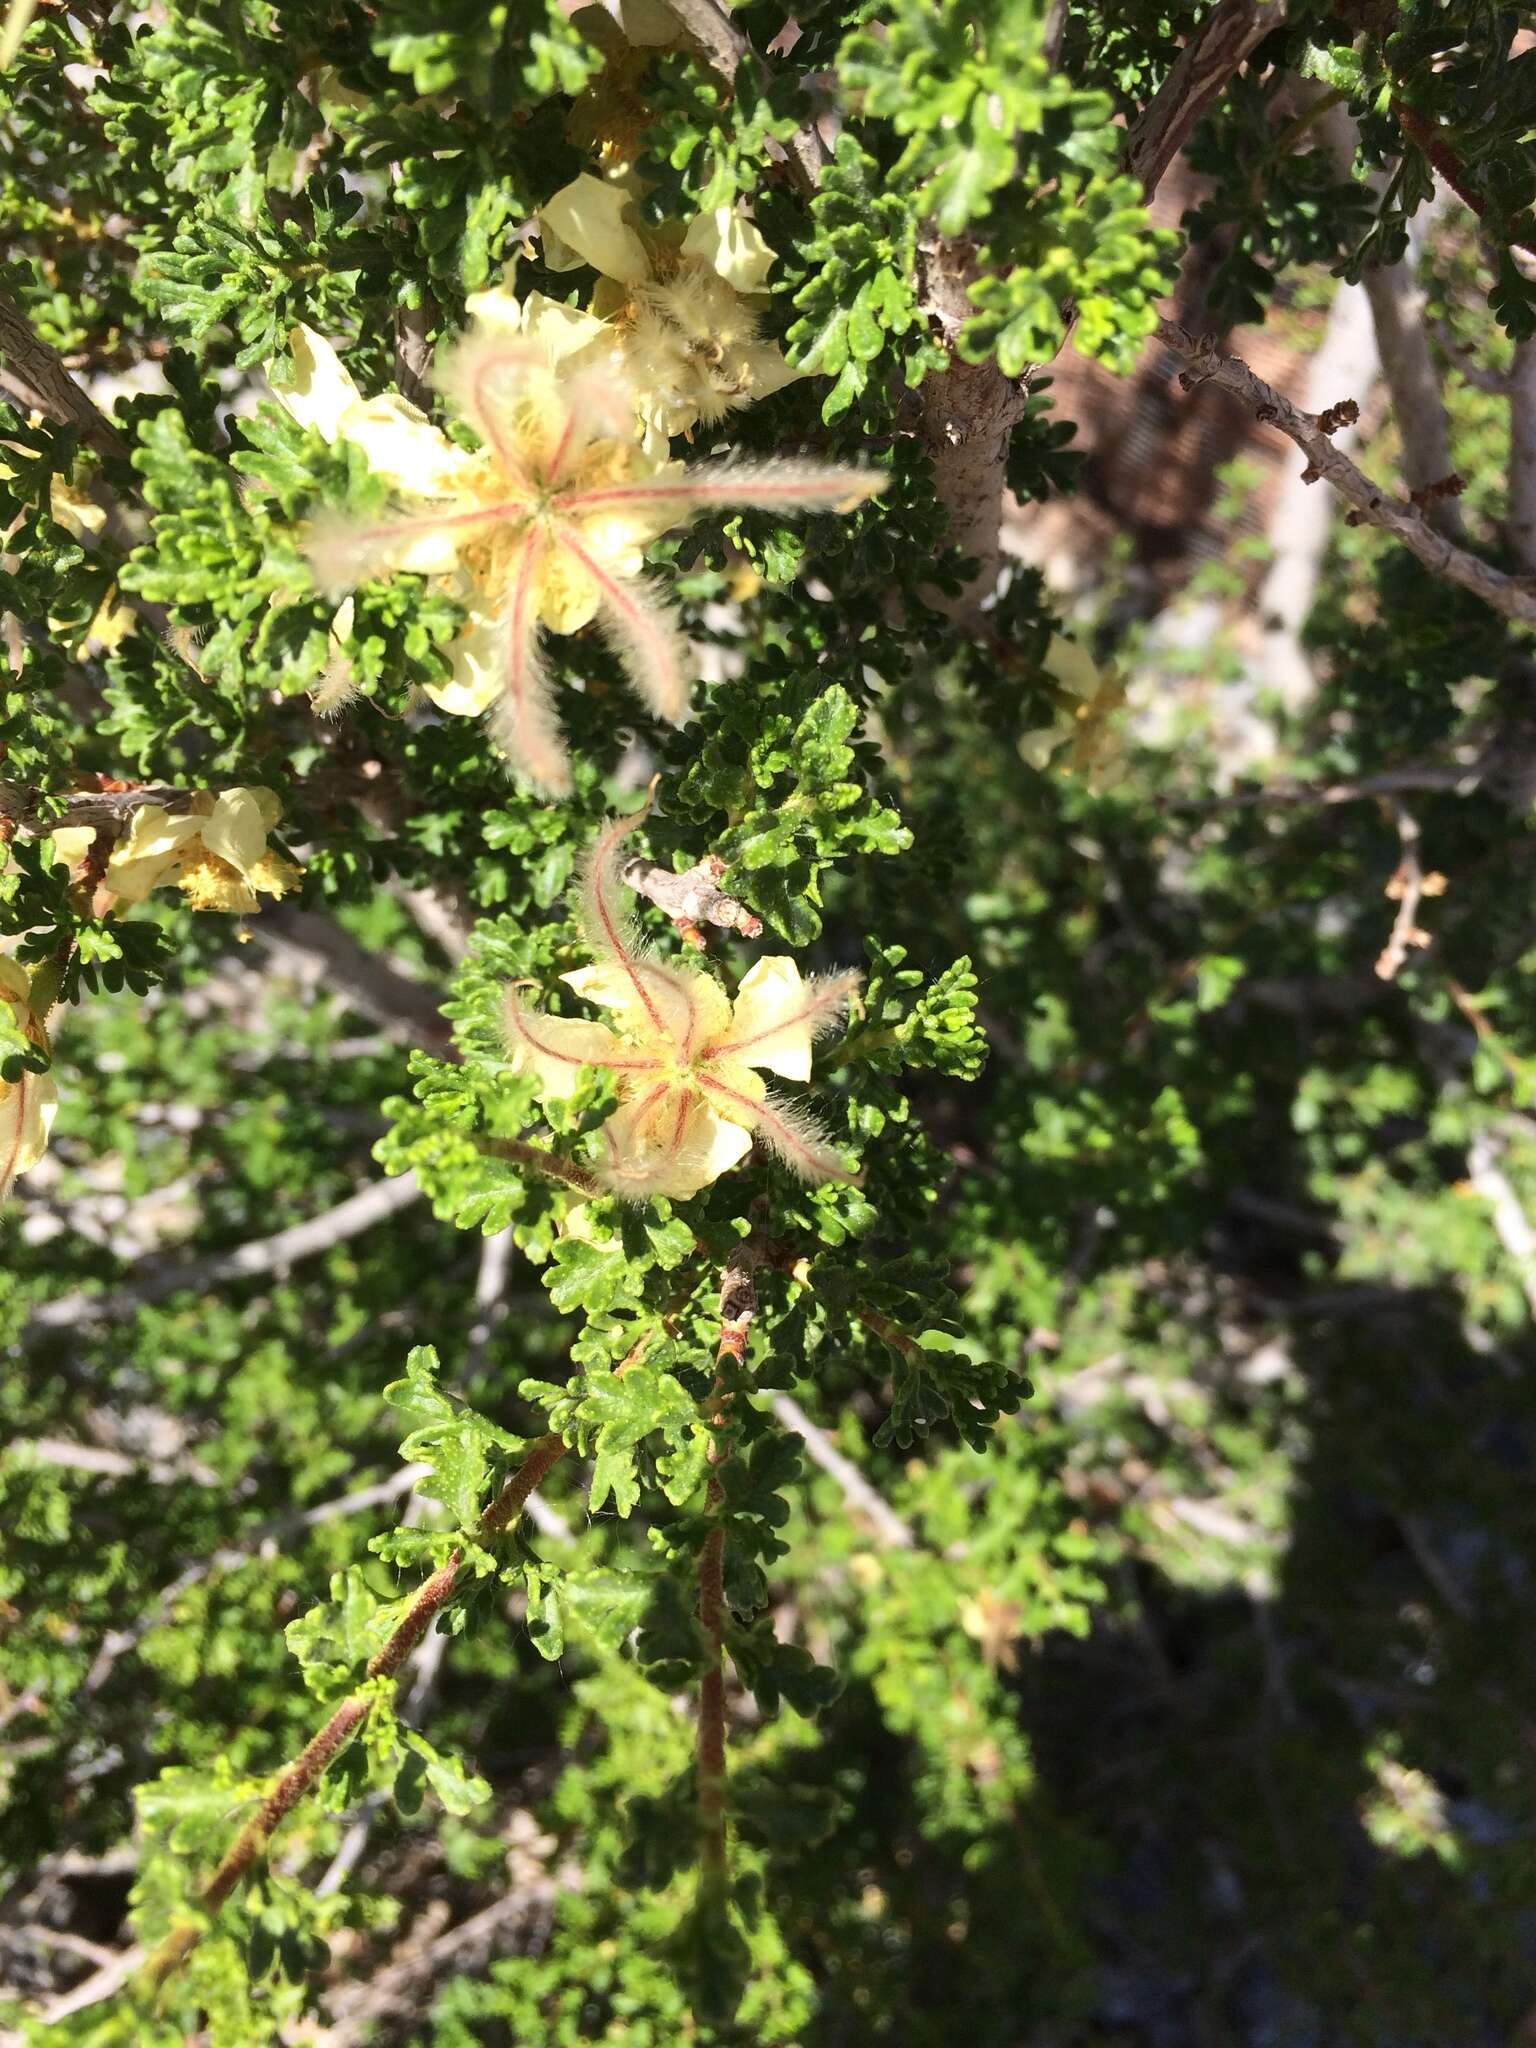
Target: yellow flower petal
732,247
154,845
741,1093
321,391
767,370
666,1010
567,596
670,1143
556,331
587,217
473,686
71,843
402,446
27,1110
555,1049
15,986
236,832
73,510
1072,666
770,1022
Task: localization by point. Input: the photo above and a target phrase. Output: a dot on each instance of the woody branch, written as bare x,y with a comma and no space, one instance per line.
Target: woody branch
1514,597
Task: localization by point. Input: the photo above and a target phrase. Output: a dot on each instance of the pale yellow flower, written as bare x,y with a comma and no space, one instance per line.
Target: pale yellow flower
683,312
215,852
684,1058
993,1622
1082,739
27,1105
544,525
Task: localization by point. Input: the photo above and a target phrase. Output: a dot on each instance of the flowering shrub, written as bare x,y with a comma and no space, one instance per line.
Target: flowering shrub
766,1143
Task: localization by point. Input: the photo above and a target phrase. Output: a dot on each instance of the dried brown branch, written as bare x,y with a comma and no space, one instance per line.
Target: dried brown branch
406,1008
1511,1224
1513,597
1478,375
230,1556
1391,782
463,1950
109,810
862,1498
1407,888
692,898
1407,364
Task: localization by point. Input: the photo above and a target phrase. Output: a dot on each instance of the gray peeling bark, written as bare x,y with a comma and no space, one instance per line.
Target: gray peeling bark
970,410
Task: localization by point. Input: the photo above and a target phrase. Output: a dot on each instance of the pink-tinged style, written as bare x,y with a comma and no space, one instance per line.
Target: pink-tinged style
687,1062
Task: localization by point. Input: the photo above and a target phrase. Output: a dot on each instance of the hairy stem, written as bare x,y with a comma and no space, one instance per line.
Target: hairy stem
738,1304
539,1161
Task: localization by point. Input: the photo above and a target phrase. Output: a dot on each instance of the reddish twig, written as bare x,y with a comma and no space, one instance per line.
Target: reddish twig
1426,137
301,1775
516,1153
738,1305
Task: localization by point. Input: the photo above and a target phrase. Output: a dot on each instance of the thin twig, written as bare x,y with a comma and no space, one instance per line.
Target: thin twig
1514,597
306,1768
534,1157
1511,1225
371,984
96,1989
861,1497
231,1556
1407,888
1478,375
153,1281
1391,782
1432,144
